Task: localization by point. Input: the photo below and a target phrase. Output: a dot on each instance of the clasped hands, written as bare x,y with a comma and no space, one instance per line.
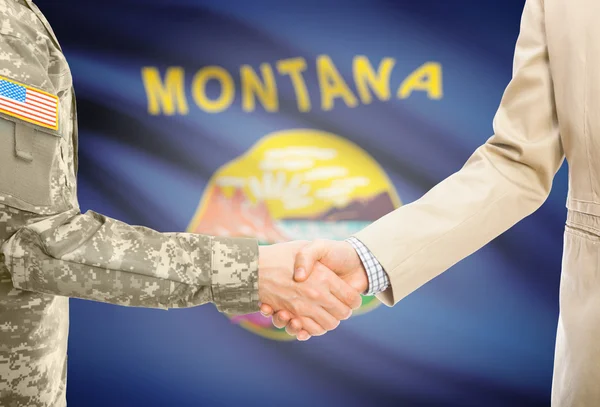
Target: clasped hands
328,277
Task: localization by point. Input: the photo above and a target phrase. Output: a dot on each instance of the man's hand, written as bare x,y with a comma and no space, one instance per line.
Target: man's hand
338,256
335,255
318,303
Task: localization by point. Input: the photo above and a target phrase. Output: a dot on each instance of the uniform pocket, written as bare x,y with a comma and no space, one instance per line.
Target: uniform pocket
28,166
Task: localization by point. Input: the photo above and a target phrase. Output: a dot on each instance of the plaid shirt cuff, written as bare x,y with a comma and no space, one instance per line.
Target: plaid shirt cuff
378,278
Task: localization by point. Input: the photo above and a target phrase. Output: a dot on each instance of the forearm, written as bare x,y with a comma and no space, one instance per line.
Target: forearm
505,180
377,277
94,257
420,240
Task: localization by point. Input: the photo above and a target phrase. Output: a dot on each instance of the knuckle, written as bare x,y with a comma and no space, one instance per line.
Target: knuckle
334,306
351,298
321,277
312,293
304,252
298,306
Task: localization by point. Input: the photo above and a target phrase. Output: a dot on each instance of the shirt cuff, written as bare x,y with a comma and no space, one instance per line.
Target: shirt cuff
235,275
378,278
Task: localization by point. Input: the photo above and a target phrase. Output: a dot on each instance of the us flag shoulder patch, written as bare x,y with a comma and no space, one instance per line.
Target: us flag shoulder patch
29,104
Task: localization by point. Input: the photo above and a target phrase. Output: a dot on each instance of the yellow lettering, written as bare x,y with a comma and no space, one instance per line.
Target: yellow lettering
167,97
332,84
294,68
253,87
199,89
366,78
427,78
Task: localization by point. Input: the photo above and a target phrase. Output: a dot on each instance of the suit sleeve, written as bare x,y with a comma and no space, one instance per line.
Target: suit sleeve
505,180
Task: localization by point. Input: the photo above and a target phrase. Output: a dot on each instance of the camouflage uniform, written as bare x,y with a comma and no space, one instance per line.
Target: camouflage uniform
51,251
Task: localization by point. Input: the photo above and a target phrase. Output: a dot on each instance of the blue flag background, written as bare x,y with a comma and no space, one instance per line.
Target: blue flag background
481,334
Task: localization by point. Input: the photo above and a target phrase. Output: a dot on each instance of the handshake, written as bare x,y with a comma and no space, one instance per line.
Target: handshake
328,278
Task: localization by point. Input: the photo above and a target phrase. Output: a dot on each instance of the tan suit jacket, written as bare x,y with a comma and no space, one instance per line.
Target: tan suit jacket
550,109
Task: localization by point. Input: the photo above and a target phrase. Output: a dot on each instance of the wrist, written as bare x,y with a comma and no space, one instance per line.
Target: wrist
234,274
362,279
359,280
261,272
270,276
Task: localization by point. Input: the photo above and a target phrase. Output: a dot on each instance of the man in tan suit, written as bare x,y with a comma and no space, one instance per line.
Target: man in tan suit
550,109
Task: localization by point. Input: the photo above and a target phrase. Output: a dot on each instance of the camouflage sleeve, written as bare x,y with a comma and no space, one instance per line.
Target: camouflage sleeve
93,257
63,252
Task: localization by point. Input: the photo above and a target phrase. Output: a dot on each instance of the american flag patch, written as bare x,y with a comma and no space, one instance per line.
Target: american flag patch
29,104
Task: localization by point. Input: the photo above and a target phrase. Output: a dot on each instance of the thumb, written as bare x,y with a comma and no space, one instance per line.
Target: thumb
307,257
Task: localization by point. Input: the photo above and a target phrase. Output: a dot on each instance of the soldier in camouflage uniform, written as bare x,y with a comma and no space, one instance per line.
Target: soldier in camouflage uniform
51,251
